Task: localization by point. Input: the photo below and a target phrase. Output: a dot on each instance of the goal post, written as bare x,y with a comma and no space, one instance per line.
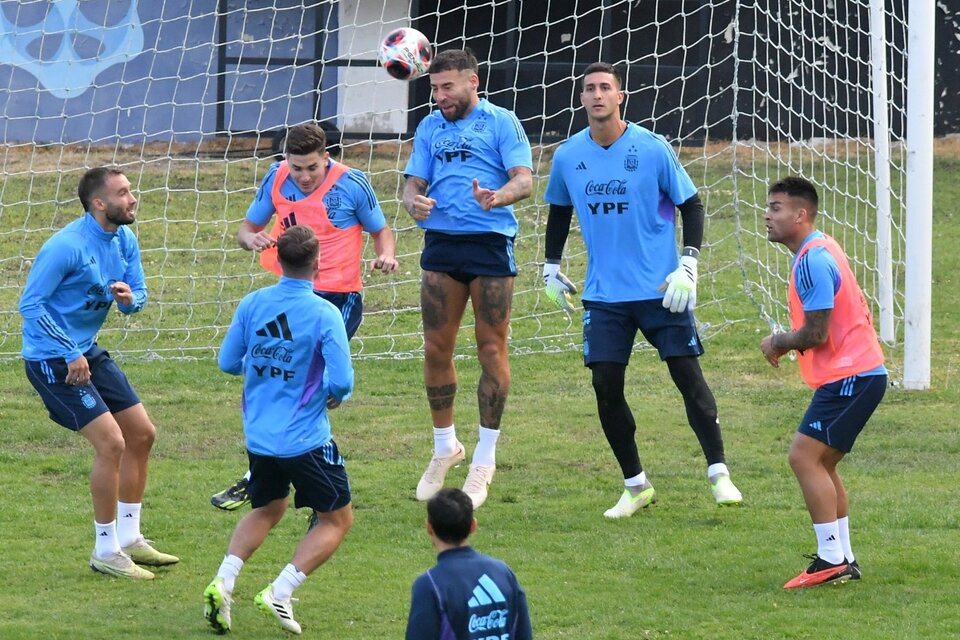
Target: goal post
187,99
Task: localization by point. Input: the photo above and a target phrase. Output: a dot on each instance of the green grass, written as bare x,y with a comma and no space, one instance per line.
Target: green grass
684,569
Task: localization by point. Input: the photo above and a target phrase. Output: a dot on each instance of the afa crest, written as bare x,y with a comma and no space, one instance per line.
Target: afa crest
631,162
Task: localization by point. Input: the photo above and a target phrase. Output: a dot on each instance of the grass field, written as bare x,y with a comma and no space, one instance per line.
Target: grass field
684,569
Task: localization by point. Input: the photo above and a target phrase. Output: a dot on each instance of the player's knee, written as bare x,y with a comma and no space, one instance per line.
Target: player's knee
494,359
111,448
608,381
142,437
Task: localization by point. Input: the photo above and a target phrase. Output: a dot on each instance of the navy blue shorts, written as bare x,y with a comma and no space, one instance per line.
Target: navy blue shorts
839,410
464,257
350,305
610,328
75,406
319,477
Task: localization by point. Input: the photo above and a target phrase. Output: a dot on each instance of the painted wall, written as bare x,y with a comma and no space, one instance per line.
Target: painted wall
123,71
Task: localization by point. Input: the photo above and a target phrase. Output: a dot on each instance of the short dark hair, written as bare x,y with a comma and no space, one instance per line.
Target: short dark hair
303,139
450,513
797,187
603,67
298,247
92,182
455,60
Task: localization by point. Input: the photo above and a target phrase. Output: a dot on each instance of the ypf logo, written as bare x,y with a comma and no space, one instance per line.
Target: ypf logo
65,47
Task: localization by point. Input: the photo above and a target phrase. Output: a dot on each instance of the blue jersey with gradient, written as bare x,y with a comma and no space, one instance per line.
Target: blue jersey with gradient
625,197
468,596
349,202
291,347
485,145
67,295
817,277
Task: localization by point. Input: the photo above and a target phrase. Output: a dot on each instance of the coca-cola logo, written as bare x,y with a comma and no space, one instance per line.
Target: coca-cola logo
278,352
496,619
610,188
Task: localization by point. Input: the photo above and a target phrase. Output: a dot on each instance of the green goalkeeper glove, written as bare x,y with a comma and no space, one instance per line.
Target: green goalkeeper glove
558,287
681,284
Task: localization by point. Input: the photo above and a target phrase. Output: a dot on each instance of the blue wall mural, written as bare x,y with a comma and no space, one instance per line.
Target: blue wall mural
128,70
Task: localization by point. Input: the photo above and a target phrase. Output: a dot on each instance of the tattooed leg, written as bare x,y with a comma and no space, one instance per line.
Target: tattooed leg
492,301
442,303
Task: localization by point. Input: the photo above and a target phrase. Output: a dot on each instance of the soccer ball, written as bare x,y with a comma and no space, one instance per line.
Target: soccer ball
406,53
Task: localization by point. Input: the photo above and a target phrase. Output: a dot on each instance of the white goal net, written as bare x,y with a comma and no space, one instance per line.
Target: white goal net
186,98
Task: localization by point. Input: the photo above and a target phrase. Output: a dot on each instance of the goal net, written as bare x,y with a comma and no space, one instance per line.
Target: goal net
186,97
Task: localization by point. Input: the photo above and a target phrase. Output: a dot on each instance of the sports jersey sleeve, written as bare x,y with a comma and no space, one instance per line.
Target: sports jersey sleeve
671,175
133,275
514,144
817,279
338,374
524,628
423,623
420,163
365,202
234,347
54,261
557,192
261,209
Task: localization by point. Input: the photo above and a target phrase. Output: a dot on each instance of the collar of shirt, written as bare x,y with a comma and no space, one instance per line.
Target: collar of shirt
93,228
295,283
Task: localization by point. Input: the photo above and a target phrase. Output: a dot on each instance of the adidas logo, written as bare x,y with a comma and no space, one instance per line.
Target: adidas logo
277,328
832,537
581,166
102,534
693,342
129,515
486,592
816,426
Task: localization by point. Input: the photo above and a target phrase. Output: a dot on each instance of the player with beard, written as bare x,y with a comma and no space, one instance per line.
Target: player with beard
471,162
75,279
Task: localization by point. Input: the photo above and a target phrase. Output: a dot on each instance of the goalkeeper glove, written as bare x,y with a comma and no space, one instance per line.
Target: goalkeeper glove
558,287
681,284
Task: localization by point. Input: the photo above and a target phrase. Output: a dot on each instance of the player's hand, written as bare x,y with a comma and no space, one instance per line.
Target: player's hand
386,264
259,241
681,286
487,198
771,353
121,292
558,287
422,206
78,372
332,403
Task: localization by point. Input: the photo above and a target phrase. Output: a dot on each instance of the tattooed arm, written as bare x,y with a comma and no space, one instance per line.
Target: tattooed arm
415,199
813,333
519,186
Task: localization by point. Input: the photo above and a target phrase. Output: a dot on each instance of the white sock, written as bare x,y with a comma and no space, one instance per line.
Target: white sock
637,480
486,451
828,542
246,476
716,469
229,570
128,523
844,525
288,580
106,539
444,440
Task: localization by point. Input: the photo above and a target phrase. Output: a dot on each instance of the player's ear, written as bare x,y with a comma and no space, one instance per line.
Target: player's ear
473,526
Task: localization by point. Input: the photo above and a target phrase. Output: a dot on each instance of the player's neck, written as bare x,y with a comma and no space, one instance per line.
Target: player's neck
606,132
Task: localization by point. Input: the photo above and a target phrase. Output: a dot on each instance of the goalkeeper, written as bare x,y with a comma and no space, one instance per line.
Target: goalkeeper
626,183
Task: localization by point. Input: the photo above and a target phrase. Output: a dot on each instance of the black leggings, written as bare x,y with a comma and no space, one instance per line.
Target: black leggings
618,423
